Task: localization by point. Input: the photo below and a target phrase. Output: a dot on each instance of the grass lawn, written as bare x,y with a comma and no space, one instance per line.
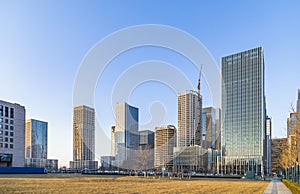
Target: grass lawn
94,184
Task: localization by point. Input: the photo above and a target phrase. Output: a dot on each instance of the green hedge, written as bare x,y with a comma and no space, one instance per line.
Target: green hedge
294,187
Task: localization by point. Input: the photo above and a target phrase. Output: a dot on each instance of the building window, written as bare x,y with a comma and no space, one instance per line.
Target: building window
11,133
6,132
1,139
11,140
6,112
11,122
6,121
11,146
12,113
11,127
1,126
6,139
6,126
1,110
6,145
1,120
1,145
1,132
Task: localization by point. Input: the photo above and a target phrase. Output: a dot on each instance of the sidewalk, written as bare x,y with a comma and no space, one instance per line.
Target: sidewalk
277,187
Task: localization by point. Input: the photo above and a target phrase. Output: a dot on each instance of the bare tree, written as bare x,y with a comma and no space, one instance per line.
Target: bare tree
290,153
144,158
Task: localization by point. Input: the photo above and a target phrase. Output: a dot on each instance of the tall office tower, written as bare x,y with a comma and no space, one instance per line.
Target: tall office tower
268,147
12,134
126,133
83,133
189,119
209,127
113,141
36,135
298,104
218,128
243,111
164,142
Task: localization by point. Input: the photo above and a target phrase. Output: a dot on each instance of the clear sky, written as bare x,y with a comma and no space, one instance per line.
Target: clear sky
42,44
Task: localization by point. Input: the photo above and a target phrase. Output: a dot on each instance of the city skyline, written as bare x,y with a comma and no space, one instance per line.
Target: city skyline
50,47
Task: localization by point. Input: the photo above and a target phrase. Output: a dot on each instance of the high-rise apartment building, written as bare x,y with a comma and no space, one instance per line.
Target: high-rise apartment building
36,139
126,133
164,142
243,112
83,138
12,134
189,119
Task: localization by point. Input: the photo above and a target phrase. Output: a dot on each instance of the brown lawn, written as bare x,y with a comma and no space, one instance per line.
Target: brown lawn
94,184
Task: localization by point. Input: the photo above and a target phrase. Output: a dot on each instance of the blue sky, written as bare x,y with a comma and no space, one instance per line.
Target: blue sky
42,44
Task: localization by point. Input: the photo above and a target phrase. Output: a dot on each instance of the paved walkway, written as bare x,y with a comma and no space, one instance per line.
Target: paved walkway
277,187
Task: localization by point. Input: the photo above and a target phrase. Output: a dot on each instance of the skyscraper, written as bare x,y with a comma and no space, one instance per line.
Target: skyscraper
164,142
209,127
84,133
36,139
126,132
12,134
83,138
189,119
243,111
36,146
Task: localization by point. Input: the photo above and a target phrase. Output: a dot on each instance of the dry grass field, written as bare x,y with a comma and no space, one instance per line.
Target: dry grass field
92,184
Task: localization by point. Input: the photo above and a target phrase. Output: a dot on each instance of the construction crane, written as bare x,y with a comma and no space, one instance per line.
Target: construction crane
199,134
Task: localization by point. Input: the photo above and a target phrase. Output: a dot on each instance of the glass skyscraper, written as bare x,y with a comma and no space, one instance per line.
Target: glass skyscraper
126,133
36,139
243,112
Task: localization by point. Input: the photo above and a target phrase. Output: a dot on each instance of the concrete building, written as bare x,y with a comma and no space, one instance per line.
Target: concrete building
83,138
268,147
113,141
36,136
189,119
278,145
292,124
12,134
164,142
243,112
126,134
